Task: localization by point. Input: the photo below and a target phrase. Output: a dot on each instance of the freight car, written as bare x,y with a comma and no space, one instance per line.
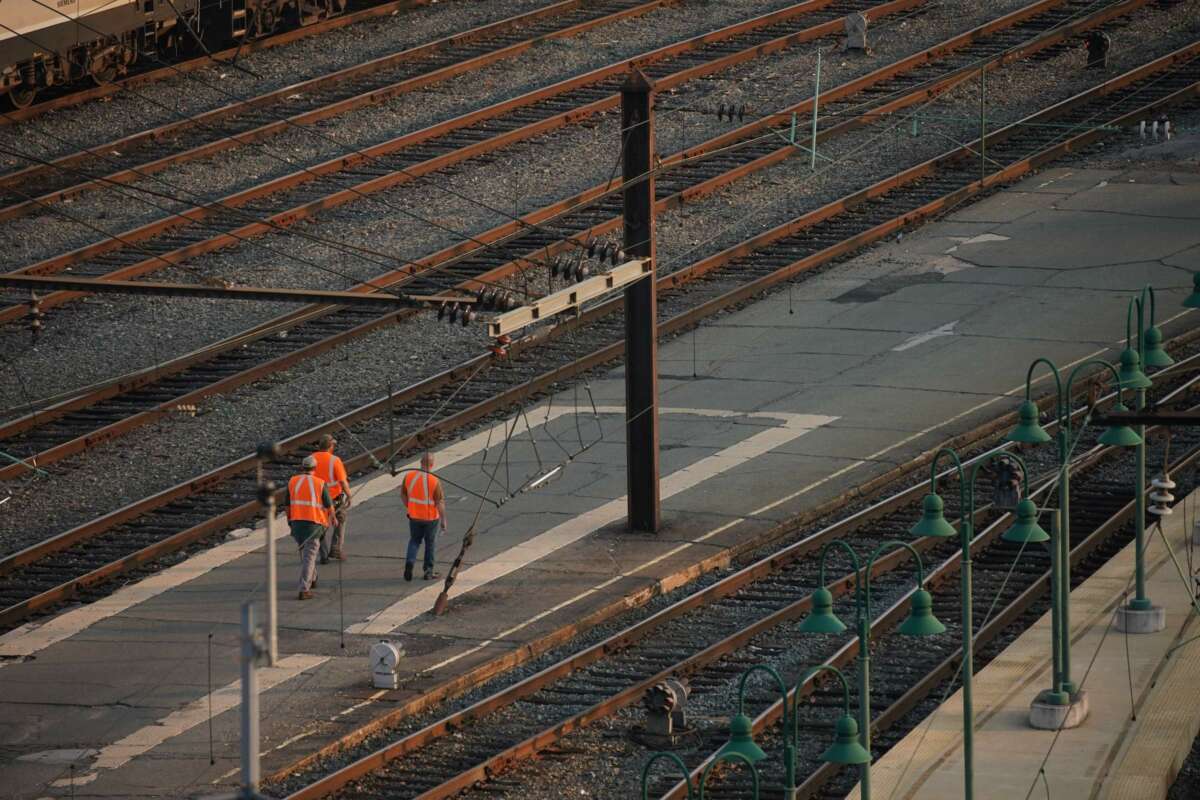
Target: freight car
45,43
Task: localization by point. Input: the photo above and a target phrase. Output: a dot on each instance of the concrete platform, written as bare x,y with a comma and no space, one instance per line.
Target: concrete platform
884,357
1111,754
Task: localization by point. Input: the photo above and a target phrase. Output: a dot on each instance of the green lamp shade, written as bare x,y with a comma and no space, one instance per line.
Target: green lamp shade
932,523
1156,356
1120,435
822,619
846,749
1029,430
1131,373
1025,529
921,621
1193,299
741,740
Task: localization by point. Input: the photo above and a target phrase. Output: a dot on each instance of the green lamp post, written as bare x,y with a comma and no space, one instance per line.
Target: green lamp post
1193,299
920,622
846,748
1030,431
741,727
933,523
1141,615
687,776
730,756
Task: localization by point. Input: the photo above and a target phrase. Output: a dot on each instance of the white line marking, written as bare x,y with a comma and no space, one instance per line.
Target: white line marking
922,338
119,753
412,606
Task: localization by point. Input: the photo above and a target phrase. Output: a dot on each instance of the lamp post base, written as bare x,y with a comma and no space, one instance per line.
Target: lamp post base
1047,715
1139,620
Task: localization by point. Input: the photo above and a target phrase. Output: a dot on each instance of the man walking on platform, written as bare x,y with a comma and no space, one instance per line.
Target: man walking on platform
309,508
331,470
426,505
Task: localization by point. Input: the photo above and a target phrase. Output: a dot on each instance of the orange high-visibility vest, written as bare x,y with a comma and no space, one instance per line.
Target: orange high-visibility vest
304,499
421,487
330,470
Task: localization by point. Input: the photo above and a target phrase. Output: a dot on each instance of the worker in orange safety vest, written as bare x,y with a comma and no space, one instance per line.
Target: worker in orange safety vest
331,470
309,509
426,505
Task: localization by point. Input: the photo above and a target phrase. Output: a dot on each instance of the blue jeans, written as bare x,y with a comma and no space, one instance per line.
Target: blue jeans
420,530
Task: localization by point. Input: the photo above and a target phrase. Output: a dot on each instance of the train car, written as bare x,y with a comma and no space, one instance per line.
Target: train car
46,43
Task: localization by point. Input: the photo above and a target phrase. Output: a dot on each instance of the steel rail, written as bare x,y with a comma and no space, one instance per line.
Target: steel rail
499,31
594,84
513,395
768,565
143,77
506,232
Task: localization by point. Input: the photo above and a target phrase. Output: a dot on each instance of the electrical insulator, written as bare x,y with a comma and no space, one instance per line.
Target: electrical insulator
36,315
591,247
730,111
1160,496
621,256
556,266
581,271
487,299
442,309
453,313
468,316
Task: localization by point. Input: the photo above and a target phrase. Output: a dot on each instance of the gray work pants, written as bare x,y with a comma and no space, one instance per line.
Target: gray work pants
308,562
335,535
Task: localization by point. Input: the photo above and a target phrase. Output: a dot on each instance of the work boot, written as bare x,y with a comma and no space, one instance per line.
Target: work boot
430,575
408,571
324,559
336,555
305,596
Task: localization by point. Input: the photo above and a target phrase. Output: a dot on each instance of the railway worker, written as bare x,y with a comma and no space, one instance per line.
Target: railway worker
309,508
426,506
331,470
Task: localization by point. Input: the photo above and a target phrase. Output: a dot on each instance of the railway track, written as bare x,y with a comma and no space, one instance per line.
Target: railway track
66,97
74,562
711,636
285,200
97,417
252,119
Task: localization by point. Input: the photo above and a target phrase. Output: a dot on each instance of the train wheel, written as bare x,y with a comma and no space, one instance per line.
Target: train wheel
105,76
21,96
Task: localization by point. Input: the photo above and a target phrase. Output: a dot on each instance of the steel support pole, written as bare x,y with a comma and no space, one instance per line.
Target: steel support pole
1064,561
816,101
251,649
1140,602
1056,694
641,344
968,640
864,694
272,587
982,123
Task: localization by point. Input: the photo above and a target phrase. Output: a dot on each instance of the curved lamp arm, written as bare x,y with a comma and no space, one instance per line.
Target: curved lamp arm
995,455
1148,295
811,671
892,545
858,584
1058,402
1093,362
728,757
1136,301
962,477
778,680
687,776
